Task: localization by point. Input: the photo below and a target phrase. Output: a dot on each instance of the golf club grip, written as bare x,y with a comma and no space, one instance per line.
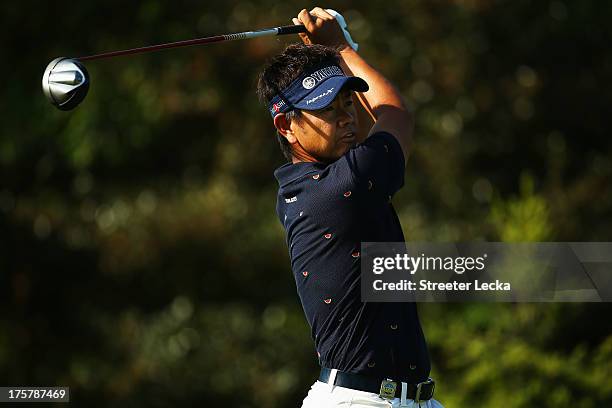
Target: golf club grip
291,29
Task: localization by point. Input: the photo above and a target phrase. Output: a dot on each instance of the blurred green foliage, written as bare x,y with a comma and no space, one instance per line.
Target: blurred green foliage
141,262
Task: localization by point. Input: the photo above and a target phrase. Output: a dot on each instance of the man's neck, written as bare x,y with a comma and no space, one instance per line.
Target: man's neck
302,157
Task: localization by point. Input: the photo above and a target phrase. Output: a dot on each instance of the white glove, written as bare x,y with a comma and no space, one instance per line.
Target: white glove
343,25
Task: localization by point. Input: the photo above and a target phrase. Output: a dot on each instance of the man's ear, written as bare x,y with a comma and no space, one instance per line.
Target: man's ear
283,125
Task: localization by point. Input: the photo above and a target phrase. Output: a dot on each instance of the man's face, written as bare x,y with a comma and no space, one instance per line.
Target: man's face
325,135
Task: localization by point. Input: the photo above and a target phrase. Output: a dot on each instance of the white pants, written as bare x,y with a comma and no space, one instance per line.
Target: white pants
322,395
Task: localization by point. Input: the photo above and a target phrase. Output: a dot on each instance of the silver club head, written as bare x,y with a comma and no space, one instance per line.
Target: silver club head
65,83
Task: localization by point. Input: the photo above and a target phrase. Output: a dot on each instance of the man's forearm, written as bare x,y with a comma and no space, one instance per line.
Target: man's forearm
382,93
383,101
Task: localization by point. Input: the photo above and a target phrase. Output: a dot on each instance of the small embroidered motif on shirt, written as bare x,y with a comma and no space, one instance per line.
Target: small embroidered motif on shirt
316,177
347,194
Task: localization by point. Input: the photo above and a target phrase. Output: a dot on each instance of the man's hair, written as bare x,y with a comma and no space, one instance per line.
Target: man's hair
287,67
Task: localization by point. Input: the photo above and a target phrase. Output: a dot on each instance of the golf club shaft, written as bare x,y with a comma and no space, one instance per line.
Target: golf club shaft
294,29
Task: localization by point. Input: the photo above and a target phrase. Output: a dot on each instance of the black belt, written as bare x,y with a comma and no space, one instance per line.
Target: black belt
418,392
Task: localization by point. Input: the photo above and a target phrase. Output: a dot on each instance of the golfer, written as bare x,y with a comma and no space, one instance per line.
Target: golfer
345,131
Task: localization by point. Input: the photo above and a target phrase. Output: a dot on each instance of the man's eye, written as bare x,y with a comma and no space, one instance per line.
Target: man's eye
349,102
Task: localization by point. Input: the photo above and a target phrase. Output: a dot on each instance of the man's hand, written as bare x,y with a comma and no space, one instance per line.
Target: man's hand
322,28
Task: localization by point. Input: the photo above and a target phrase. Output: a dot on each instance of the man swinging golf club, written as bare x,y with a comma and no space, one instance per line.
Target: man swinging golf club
335,193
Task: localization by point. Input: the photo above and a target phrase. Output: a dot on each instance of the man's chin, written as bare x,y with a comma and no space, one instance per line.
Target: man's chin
349,144
341,151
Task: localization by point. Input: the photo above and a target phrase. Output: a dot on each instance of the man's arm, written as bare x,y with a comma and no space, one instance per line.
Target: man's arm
365,117
382,101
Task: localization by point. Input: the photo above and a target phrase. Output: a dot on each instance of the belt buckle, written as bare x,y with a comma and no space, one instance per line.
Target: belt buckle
417,397
387,389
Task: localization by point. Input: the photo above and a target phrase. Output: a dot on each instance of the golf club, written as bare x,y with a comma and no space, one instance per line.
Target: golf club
65,81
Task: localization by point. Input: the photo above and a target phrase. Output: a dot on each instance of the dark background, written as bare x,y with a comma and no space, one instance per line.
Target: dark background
141,261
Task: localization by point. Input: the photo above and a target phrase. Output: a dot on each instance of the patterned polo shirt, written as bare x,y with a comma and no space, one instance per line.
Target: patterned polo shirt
327,210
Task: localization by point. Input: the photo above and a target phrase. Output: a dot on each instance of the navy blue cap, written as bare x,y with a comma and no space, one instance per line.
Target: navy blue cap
315,89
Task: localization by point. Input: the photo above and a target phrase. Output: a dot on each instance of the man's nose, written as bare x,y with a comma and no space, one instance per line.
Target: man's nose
346,117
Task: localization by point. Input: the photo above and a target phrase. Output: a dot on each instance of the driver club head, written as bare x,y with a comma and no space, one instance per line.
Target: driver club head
65,83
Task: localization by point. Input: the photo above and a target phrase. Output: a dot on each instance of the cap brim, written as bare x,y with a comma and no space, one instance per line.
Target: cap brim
326,91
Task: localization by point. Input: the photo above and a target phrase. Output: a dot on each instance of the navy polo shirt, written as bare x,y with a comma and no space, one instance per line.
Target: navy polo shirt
327,210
